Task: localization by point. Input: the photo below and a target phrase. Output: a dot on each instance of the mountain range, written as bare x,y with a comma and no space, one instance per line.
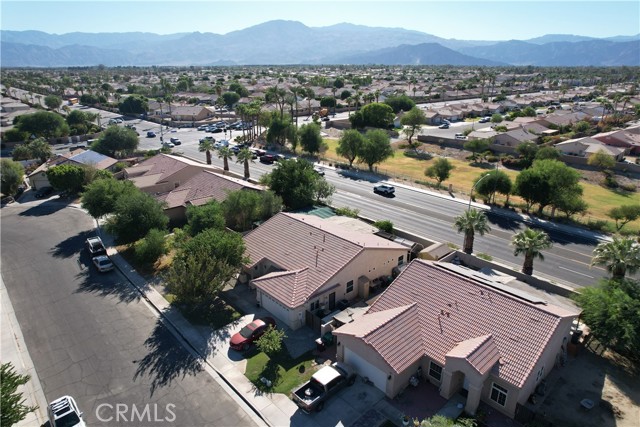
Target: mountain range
291,42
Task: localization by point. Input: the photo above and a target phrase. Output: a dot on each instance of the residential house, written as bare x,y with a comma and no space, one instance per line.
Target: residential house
562,119
464,333
302,265
163,173
200,189
189,113
584,147
515,137
80,157
629,139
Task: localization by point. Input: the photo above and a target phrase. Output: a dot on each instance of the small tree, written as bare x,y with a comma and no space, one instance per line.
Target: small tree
440,170
612,311
528,151
149,249
52,102
116,141
412,122
135,214
270,343
12,174
245,156
206,146
134,104
224,153
295,181
624,214
477,146
13,408
350,144
530,243
470,222
66,177
376,148
310,138
100,196
603,161
619,257
204,264
200,218
492,182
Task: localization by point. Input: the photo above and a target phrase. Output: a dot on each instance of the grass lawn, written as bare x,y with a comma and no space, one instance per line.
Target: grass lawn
284,372
599,199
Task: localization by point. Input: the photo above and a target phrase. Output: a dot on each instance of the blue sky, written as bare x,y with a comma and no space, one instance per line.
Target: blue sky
469,20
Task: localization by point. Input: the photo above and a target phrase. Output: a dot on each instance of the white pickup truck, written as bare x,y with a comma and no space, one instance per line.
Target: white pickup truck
323,384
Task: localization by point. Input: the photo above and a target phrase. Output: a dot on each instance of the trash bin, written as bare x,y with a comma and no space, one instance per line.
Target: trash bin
319,344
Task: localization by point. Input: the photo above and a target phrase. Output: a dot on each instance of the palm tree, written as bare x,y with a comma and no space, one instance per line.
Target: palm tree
206,146
225,153
619,256
530,242
246,156
469,222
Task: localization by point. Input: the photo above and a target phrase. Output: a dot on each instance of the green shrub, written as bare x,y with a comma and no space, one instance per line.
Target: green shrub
351,213
384,225
420,155
484,256
629,187
151,247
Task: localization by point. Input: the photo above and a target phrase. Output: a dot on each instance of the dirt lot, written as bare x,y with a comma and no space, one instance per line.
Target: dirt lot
608,380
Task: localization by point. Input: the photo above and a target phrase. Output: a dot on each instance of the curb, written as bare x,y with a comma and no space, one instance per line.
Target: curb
117,257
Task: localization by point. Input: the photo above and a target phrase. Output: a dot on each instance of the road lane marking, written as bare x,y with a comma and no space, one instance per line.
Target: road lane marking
577,272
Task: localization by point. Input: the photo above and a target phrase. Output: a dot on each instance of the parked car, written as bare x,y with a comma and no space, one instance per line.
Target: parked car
64,412
250,333
168,144
444,126
484,120
206,138
217,130
95,246
103,263
175,141
258,151
151,134
19,191
326,382
44,192
384,189
319,170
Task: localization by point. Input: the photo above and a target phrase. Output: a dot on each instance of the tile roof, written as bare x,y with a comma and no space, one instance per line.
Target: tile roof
481,352
450,308
296,242
205,186
161,166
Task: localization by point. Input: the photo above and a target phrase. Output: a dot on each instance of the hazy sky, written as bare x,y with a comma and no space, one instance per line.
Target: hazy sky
470,20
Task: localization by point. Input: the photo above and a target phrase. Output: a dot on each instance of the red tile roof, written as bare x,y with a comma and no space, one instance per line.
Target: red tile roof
481,352
204,186
448,309
298,243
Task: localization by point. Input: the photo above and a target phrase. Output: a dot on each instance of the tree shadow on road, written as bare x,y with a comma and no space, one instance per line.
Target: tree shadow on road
70,246
46,208
166,360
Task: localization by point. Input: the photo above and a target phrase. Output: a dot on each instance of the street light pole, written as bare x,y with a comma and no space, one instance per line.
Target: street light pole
473,188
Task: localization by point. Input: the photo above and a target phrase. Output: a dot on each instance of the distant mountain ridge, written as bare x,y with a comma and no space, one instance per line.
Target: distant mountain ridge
290,42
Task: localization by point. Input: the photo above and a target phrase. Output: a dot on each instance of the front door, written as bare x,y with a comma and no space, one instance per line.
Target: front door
332,301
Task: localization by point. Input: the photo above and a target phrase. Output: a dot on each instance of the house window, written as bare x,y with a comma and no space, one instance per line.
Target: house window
435,371
315,305
499,394
401,260
350,286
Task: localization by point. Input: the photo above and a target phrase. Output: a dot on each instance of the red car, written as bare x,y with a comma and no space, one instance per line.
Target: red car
250,333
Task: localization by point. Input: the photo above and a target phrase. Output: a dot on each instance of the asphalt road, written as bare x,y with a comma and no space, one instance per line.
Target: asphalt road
92,337
420,213
432,217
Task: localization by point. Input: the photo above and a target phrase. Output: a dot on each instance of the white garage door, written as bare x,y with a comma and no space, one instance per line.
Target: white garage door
365,369
274,308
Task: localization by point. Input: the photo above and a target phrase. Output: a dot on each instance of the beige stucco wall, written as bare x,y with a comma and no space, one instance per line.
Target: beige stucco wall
372,263
39,180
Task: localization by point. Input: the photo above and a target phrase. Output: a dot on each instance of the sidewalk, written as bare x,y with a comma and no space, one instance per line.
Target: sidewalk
13,349
266,410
